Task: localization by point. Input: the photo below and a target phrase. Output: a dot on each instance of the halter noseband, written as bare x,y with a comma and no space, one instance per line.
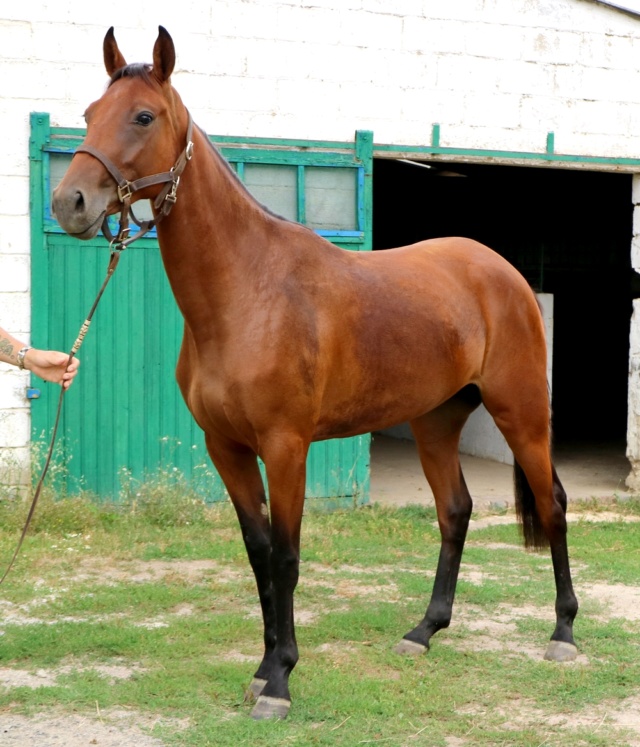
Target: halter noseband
163,203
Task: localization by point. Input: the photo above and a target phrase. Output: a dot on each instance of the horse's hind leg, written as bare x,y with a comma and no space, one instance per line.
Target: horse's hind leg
541,502
562,646
437,436
522,414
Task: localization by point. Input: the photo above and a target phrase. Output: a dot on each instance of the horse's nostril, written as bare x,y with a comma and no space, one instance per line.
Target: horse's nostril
79,202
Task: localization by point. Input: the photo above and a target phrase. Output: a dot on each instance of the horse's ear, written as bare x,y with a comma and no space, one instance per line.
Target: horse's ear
113,59
164,55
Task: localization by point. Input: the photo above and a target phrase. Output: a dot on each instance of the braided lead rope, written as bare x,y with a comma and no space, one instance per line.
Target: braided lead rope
164,202
113,263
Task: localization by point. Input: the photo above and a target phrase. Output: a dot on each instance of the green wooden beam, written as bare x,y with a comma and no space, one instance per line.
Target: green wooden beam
364,154
40,136
551,145
297,151
435,136
548,157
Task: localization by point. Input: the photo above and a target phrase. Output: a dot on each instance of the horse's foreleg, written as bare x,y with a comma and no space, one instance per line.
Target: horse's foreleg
238,468
437,435
285,461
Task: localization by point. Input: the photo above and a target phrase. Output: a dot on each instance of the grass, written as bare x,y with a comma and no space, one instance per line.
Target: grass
167,593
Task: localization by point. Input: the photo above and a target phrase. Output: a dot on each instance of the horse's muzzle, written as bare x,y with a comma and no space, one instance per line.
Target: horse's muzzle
77,215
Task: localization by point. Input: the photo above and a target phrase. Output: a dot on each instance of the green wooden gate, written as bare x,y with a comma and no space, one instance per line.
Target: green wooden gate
124,416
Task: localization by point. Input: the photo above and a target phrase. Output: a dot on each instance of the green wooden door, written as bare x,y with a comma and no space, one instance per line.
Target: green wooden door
124,417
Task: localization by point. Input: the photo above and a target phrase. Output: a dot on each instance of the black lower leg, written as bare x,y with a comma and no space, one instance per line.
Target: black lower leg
562,646
438,613
257,538
454,522
285,570
566,602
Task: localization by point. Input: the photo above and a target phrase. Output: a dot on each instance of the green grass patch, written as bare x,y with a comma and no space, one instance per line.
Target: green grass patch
167,596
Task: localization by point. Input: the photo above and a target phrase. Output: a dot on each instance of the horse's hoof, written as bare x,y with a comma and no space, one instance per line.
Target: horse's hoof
255,688
561,651
267,707
410,648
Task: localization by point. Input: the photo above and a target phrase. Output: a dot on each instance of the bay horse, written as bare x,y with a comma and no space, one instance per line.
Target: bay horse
289,339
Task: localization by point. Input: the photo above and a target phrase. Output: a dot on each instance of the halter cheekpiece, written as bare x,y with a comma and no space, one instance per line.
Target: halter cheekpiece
163,203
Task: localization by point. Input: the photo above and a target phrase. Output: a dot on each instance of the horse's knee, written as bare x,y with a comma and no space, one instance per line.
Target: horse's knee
257,541
453,519
285,565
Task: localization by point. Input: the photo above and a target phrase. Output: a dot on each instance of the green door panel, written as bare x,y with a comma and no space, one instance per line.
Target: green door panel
124,418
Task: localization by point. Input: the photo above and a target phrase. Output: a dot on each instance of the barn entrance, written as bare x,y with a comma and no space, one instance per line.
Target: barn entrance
569,232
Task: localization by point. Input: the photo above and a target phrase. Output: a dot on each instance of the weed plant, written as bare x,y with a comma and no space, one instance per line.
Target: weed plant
166,499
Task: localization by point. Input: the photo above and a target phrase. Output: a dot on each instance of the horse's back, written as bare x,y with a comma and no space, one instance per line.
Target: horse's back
455,282
458,258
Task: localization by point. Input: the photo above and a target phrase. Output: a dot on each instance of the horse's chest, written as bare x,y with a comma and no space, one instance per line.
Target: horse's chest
203,392
206,396
213,400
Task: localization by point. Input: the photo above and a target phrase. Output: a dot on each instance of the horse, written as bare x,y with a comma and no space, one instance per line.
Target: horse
289,339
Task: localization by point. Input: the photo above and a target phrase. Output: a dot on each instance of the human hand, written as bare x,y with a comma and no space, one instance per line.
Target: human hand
51,365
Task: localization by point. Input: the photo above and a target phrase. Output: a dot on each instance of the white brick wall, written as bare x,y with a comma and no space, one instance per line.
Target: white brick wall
496,74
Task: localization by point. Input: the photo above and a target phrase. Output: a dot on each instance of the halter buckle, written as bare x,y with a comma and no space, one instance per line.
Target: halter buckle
172,195
117,241
124,191
188,152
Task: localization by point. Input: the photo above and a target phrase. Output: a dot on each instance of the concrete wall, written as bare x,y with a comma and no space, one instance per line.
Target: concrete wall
633,422
493,73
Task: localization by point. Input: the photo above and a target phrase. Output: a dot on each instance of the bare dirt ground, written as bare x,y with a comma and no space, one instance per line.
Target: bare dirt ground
115,728
396,480
497,631
594,471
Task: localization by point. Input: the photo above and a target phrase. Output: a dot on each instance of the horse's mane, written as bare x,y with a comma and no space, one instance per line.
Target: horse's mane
136,70
232,173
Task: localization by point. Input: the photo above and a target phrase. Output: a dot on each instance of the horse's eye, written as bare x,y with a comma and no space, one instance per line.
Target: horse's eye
144,119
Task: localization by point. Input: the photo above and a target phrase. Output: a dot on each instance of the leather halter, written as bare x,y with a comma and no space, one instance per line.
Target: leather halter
163,203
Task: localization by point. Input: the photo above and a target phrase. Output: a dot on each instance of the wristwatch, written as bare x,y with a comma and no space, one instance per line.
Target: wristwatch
21,355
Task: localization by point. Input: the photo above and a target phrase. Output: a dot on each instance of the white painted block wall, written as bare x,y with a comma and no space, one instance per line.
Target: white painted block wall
633,415
496,74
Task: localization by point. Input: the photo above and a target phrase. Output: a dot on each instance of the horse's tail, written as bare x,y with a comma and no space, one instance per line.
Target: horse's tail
530,524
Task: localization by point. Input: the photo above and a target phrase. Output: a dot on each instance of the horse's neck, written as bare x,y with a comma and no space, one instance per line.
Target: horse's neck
213,238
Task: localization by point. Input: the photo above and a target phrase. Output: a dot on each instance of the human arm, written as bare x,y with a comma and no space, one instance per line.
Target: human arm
50,365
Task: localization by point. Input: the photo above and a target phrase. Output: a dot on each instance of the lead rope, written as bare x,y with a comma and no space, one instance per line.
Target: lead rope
113,263
163,204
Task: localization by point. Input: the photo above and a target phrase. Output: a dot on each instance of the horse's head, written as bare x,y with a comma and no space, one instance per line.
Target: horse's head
134,130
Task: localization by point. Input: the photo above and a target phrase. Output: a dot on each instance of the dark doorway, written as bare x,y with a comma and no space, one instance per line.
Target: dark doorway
569,232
